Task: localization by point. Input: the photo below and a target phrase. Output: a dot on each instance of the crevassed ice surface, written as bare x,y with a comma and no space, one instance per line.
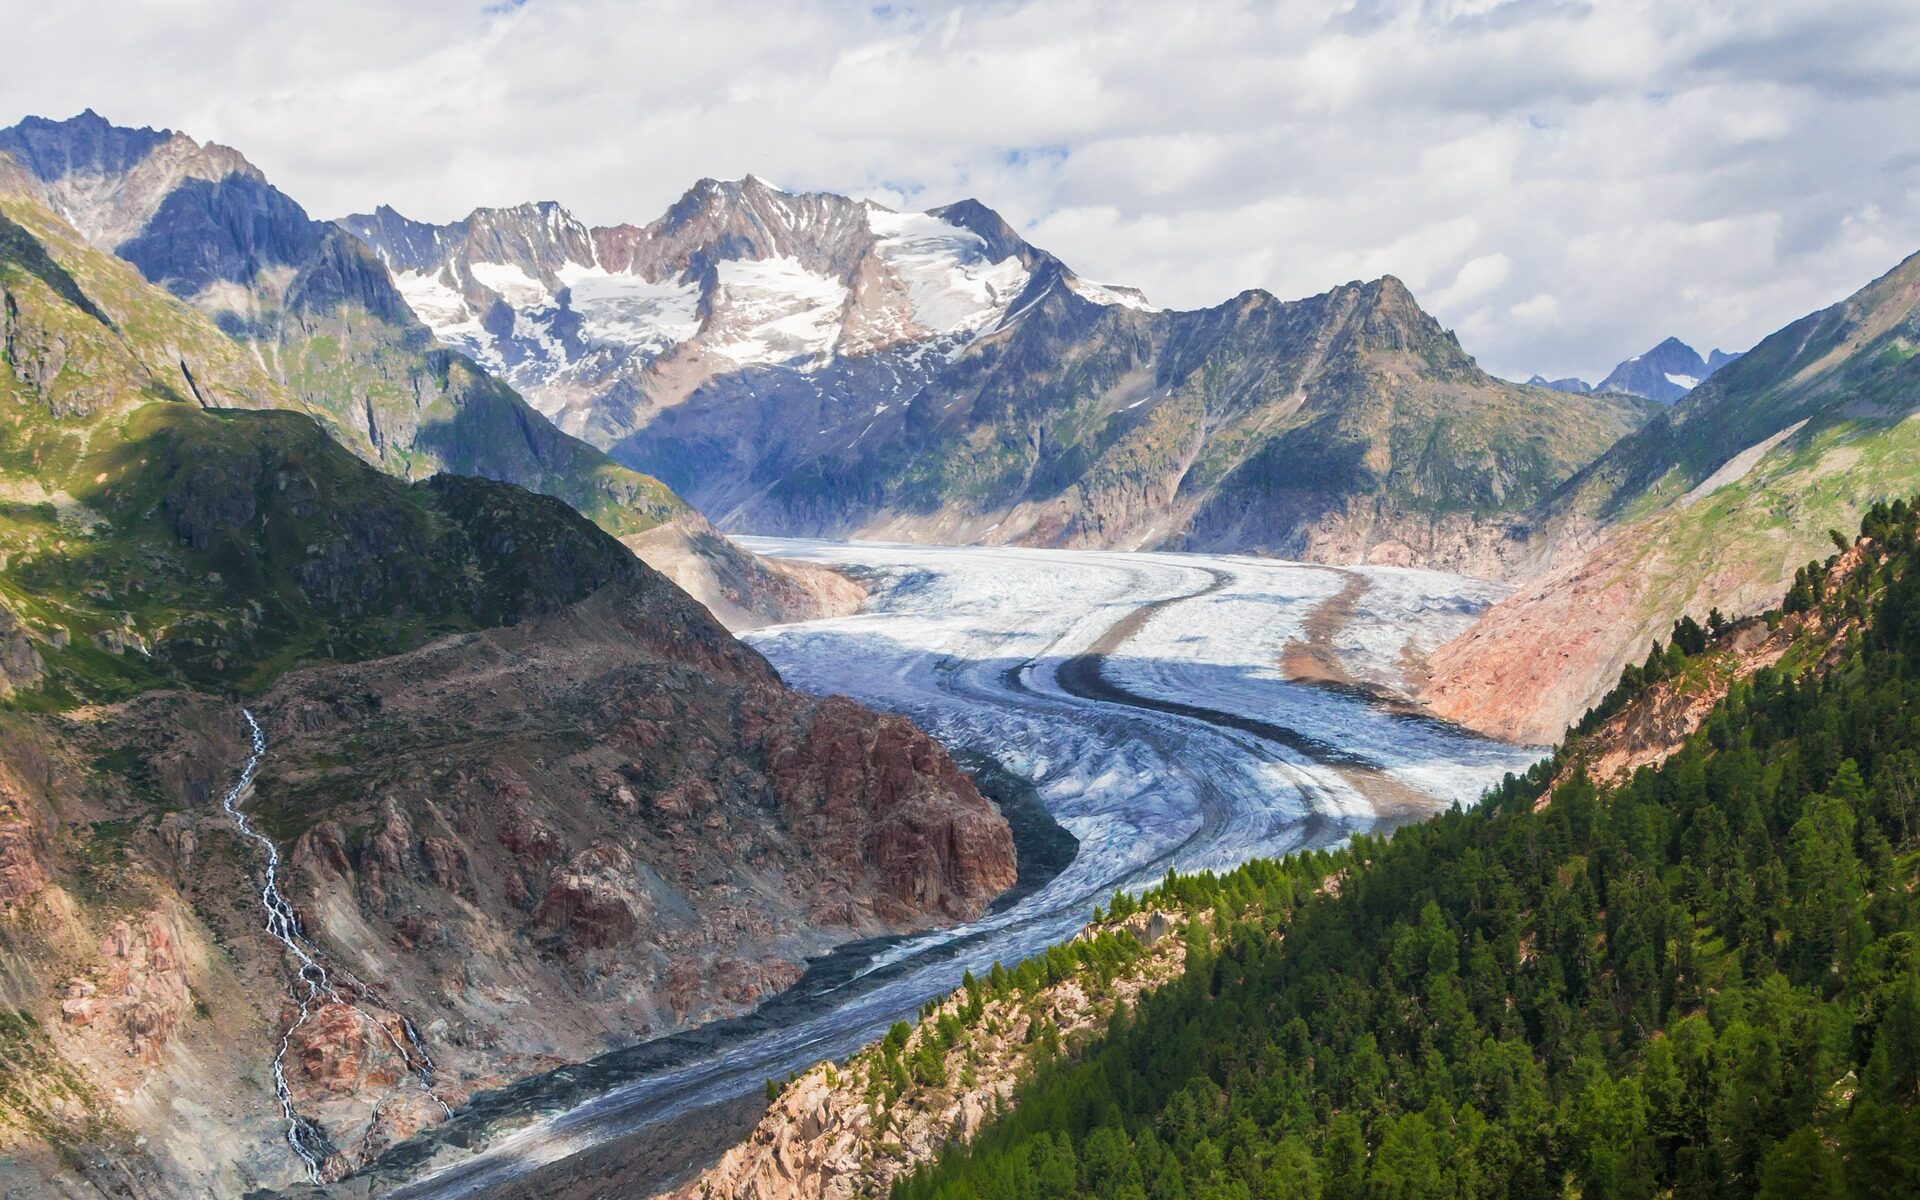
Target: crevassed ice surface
970,643
1101,293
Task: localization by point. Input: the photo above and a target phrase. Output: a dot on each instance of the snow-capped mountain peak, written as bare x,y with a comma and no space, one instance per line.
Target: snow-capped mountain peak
1665,373
735,274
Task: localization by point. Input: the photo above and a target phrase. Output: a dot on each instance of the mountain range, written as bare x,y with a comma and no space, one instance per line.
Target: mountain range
1664,373
332,337
384,482
810,364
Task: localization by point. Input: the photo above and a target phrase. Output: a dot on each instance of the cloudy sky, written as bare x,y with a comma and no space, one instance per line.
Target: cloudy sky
1564,183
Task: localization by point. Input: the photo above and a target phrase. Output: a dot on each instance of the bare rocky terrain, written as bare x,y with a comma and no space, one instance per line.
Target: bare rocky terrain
522,799
839,1131
1714,504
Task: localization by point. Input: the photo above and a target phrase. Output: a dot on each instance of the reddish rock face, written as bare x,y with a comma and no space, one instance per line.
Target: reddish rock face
141,993
591,901
22,871
446,863
343,1050
880,797
523,846
599,825
322,852
23,865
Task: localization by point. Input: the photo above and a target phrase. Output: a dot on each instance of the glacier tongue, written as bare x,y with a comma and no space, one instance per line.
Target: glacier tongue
971,643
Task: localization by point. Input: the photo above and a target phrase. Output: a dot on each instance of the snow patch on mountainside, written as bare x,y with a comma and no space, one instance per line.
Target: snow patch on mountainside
445,311
623,310
519,289
774,310
951,286
1111,295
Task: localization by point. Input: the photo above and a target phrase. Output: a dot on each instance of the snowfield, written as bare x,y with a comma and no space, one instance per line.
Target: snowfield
984,647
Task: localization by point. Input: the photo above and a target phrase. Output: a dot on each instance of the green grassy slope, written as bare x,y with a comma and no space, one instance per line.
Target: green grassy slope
150,540
1711,505
1849,370
331,339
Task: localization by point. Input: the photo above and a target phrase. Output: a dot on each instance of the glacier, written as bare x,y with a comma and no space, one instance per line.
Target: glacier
1140,694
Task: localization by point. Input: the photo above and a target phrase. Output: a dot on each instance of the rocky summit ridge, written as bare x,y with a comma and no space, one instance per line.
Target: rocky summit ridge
812,364
334,338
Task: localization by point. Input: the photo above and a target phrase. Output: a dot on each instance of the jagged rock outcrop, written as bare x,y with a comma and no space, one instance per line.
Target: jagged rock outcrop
141,994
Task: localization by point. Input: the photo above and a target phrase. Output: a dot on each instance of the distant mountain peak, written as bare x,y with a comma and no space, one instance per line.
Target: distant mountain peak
1568,384
1665,373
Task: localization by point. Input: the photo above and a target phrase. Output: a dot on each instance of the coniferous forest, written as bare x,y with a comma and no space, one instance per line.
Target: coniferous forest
1703,981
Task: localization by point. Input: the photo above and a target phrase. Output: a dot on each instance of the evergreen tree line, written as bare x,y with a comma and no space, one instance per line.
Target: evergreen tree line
1702,982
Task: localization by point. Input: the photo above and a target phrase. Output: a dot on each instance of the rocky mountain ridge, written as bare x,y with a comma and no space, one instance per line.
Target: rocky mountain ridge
809,364
333,338
735,274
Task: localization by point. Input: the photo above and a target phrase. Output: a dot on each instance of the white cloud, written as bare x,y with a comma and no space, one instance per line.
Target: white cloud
1564,183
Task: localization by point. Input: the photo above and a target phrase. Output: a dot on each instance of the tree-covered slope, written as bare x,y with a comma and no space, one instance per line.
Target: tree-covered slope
1698,981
